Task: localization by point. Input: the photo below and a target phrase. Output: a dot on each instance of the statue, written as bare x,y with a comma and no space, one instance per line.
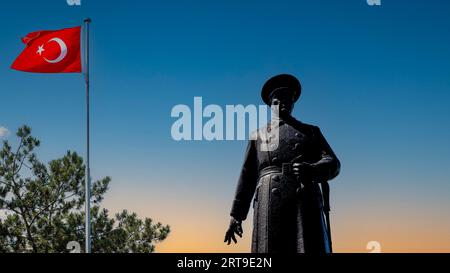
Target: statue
289,185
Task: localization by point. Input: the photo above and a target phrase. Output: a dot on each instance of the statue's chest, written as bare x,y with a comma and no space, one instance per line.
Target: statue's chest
283,145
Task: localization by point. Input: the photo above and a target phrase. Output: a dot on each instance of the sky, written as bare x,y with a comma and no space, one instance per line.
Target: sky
376,80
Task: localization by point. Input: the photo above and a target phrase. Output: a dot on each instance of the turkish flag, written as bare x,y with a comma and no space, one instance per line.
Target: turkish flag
47,51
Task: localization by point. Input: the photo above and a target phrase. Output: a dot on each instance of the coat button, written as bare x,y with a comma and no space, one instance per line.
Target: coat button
298,134
296,147
275,191
276,178
275,160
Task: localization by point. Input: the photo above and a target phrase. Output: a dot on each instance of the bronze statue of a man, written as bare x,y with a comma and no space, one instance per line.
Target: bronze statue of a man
288,185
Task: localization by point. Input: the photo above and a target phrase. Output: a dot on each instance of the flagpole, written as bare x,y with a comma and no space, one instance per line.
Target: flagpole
88,170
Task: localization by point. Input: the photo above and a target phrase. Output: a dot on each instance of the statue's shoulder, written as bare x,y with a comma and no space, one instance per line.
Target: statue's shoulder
304,127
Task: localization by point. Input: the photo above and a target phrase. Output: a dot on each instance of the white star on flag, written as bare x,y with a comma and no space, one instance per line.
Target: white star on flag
40,50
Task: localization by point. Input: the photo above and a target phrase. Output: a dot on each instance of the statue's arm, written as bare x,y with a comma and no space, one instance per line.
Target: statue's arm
328,166
246,184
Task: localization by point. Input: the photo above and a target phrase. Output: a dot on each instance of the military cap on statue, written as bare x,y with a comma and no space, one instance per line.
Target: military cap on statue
283,82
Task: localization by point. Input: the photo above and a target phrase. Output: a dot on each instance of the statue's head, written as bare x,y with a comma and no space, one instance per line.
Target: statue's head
282,90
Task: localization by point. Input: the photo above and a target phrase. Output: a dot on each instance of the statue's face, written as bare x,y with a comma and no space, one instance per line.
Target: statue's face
284,100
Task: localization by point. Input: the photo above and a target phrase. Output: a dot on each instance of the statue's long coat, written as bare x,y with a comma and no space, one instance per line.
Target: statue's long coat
288,215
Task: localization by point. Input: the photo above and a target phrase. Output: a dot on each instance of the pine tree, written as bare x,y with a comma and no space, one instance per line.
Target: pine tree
42,206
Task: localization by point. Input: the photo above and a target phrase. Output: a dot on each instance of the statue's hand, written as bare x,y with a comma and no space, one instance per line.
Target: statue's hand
303,170
234,228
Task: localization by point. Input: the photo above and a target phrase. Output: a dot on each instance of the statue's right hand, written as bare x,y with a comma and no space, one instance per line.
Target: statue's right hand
234,228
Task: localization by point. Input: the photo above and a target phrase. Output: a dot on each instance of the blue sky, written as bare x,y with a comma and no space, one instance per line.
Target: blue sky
376,80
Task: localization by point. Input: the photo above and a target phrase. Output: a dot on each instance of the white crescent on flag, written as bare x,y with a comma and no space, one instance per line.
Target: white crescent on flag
63,47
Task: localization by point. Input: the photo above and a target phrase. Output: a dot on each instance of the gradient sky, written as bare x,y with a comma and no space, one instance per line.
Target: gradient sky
376,80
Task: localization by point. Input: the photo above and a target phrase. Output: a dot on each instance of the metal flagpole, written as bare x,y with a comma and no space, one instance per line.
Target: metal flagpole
88,171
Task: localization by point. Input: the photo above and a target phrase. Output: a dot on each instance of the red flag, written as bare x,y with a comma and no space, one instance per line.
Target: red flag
51,52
